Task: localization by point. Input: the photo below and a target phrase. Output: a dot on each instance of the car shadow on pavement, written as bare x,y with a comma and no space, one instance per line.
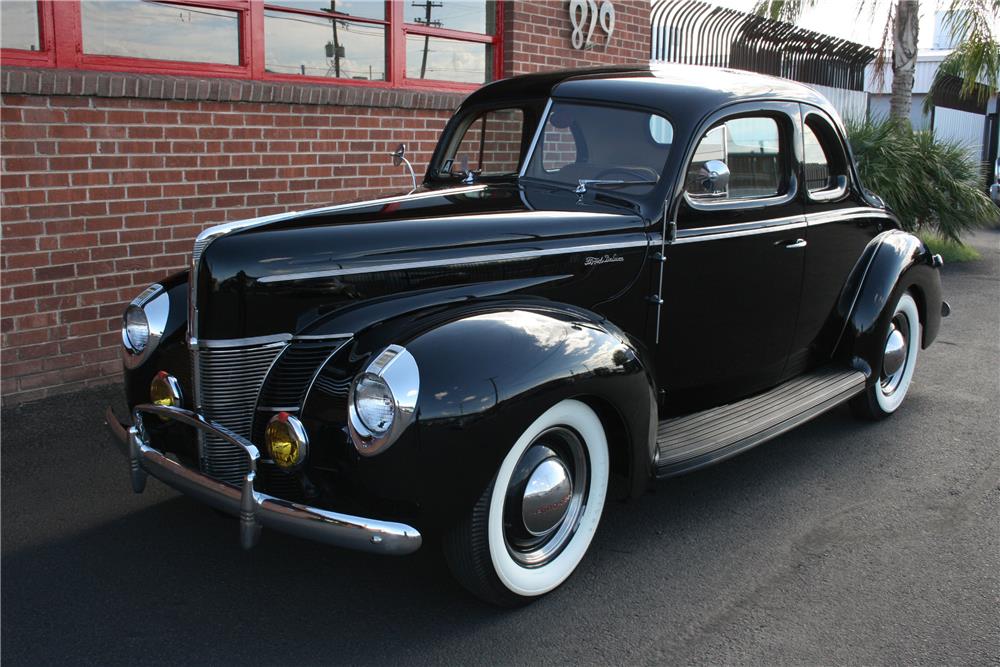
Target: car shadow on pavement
163,577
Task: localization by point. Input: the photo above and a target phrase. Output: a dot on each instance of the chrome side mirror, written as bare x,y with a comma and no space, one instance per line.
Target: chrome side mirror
399,157
714,177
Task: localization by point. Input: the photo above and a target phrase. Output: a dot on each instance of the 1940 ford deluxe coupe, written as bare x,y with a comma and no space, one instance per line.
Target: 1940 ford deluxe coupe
606,277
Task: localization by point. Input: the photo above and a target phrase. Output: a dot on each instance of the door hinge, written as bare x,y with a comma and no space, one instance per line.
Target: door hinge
655,299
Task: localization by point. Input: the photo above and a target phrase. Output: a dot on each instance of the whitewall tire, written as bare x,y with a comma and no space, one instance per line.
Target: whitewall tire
901,345
532,527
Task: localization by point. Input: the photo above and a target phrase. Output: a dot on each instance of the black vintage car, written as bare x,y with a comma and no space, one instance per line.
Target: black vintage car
606,277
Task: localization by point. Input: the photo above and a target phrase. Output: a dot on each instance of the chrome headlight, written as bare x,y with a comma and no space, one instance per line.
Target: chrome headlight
143,324
383,400
374,404
135,331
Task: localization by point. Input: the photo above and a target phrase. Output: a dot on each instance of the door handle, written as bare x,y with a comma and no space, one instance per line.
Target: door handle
791,244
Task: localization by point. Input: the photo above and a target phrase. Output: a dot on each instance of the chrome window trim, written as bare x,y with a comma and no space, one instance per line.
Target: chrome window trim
534,140
742,204
467,259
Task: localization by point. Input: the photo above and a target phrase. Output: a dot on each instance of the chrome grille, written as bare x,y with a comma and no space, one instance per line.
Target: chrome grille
228,381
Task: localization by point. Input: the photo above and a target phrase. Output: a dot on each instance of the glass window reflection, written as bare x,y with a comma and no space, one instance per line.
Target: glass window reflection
163,31
313,46
447,60
369,9
19,25
468,15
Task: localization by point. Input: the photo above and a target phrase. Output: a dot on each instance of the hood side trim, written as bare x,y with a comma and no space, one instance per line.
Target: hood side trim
430,263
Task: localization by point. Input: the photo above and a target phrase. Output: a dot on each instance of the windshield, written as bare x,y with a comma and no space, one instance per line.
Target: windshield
601,147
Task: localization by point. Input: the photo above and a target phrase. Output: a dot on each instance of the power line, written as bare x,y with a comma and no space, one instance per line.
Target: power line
426,20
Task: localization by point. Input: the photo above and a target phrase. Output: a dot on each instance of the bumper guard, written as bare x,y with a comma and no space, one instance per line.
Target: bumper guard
254,509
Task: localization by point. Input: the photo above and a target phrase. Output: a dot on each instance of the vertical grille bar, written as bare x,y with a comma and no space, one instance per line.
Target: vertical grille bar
228,381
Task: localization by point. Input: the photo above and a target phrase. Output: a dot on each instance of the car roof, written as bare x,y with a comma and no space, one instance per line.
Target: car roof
687,89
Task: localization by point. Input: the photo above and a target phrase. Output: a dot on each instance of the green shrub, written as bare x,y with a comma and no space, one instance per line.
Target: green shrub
951,252
929,182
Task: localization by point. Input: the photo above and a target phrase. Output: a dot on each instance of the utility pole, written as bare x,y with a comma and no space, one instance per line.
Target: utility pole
336,40
426,20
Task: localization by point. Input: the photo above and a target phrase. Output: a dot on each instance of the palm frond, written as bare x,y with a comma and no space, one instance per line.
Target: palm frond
976,59
781,10
883,52
932,184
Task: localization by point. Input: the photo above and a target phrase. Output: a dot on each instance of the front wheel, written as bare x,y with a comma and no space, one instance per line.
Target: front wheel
533,524
901,343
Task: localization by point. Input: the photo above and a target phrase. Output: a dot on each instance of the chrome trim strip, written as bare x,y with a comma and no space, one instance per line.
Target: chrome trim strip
534,141
319,369
268,408
212,233
205,238
776,224
254,509
839,215
322,336
473,259
744,229
242,342
264,340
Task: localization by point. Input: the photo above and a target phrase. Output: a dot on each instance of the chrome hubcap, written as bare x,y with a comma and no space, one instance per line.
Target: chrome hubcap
546,497
897,347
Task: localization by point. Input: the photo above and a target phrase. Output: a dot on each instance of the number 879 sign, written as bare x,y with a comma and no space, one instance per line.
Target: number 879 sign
585,15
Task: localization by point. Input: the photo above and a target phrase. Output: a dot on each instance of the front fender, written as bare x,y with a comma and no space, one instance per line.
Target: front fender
487,370
485,377
900,262
171,353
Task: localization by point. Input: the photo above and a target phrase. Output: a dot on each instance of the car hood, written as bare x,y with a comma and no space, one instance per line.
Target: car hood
281,273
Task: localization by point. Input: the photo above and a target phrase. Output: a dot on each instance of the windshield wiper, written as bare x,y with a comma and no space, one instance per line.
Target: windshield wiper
584,182
565,187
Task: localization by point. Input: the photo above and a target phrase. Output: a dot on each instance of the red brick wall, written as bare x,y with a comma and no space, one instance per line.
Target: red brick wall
106,178
102,196
538,35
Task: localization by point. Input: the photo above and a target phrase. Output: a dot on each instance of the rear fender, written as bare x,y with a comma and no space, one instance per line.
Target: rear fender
899,262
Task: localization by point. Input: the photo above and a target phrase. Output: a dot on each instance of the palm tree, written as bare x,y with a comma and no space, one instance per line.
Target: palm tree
972,23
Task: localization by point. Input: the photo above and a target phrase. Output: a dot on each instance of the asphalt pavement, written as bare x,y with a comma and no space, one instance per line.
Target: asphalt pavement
841,542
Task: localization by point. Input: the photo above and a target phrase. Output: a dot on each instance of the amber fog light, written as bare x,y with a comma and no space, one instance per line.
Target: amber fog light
165,390
286,441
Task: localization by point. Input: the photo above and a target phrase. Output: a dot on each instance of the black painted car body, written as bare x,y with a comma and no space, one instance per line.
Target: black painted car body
513,294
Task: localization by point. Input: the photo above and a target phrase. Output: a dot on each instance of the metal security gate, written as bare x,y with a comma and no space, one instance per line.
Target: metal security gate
697,33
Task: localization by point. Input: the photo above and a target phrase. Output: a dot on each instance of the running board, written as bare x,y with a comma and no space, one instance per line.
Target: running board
702,438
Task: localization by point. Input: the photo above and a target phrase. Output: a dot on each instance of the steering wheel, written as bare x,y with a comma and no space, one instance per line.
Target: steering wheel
630,173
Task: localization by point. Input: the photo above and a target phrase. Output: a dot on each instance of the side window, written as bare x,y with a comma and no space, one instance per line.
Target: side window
491,145
750,150
817,167
825,165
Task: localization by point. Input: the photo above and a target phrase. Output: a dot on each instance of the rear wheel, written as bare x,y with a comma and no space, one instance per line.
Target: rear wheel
901,342
532,526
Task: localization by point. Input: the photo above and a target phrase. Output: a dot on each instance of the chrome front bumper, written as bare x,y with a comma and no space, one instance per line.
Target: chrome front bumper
254,509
